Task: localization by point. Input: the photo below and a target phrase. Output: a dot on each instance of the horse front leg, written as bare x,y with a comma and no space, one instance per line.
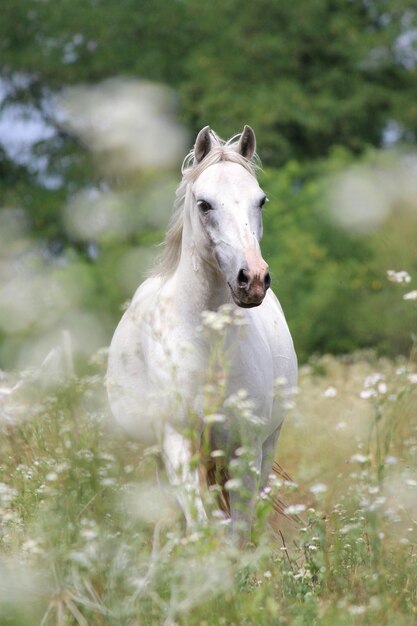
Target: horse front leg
177,455
243,496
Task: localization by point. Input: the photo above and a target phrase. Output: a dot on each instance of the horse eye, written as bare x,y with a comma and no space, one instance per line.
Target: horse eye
204,206
263,202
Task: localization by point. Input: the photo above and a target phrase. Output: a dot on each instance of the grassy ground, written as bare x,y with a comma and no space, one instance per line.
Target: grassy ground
85,538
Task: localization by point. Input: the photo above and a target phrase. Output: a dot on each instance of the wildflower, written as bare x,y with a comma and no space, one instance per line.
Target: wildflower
382,388
234,484
330,392
302,573
359,458
412,378
398,277
365,394
31,546
281,381
89,534
356,609
225,316
373,380
216,454
107,482
318,488
214,418
7,494
294,509
411,295
374,386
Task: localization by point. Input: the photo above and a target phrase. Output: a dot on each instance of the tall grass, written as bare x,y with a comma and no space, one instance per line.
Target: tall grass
86,536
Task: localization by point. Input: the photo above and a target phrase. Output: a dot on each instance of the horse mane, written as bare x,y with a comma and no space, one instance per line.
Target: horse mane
220,151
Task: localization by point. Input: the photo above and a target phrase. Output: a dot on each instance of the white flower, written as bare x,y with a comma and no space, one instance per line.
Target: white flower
107,482
318,488
225,316
7,494
382,388
356,609
368,393
234,484
294,509
374,385
398,277
214,418
215,454
331,392
411,295
412,378
32,546
373,379
89,534
359,458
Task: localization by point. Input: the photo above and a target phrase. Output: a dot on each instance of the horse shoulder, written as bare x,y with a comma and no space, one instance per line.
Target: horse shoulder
130,388
279,339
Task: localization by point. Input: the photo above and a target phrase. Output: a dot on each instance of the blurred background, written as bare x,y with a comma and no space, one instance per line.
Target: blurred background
99,103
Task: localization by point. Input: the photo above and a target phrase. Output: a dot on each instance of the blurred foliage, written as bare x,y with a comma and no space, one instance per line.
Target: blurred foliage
331,282
306,75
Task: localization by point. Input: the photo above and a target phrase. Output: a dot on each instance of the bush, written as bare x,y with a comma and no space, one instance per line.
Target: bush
331,281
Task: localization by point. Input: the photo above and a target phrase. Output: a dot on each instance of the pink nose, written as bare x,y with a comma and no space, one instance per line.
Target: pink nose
254,285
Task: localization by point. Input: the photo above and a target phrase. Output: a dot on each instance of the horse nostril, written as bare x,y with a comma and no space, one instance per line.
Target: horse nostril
267,280
243,279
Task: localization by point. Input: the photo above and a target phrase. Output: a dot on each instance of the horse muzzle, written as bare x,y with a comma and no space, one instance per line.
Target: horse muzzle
250,288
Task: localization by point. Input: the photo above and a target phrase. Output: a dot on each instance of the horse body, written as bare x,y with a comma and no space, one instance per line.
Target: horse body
159,356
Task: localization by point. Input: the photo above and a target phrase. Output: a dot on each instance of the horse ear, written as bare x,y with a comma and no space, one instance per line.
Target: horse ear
247,143
202,144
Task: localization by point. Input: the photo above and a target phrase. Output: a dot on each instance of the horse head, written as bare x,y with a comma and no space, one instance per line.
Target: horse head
226,213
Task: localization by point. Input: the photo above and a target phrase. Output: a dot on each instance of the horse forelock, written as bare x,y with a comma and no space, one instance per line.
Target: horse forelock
221,151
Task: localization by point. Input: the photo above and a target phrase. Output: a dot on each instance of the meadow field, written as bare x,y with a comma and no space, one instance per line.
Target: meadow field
100,102
87,538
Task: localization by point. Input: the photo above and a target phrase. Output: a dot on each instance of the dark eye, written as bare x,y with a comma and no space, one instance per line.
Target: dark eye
204,206
263,202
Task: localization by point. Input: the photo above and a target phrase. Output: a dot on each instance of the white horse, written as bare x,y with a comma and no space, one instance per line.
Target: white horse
159,356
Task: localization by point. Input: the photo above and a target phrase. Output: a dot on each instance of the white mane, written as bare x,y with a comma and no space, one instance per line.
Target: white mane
220,151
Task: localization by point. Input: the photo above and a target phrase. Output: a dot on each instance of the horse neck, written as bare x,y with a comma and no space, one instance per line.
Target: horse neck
199,283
